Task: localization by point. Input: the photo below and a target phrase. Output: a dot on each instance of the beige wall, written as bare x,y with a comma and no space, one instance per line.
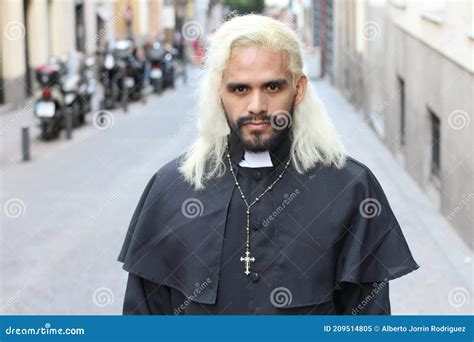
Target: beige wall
120,24
433,81
13,51
38,42
433,60
49,30
450,36
90,23
348,53
62,27
156,26
427,44
13,33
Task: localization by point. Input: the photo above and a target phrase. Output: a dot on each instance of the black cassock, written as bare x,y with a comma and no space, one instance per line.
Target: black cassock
324,242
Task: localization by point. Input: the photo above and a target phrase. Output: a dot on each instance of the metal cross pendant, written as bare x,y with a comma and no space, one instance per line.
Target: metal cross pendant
247,261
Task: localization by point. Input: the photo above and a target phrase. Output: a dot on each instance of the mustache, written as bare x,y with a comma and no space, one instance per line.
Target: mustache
249,118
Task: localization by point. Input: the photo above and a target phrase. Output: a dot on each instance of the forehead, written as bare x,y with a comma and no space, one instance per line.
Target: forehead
256,65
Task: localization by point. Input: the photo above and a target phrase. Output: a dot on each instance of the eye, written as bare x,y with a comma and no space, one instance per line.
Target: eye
240,89
273,87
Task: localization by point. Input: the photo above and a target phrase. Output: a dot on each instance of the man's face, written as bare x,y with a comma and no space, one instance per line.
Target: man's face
258,96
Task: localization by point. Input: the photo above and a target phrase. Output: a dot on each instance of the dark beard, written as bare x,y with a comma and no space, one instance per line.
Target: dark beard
260,145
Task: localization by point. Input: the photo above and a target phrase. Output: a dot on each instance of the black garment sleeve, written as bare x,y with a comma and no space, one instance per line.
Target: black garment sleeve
143,297
362,299
133,222
374,248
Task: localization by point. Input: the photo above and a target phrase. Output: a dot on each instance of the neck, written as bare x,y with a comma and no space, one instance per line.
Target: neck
278,155
256,159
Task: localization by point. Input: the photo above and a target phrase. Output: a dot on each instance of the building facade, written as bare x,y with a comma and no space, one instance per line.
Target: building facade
409,67
35,30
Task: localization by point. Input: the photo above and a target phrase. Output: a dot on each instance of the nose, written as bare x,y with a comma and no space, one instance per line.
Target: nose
257,104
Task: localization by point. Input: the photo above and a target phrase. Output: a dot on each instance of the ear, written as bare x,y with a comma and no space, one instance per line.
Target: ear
301,89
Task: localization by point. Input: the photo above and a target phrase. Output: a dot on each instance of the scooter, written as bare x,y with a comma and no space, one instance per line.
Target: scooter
131,72
164,56
109,79
91,83
155,55
50,100
169,68
77,99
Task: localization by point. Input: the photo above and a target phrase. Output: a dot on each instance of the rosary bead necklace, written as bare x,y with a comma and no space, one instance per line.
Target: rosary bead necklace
248,259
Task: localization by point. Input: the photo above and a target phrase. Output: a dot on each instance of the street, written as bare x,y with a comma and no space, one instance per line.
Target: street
65,212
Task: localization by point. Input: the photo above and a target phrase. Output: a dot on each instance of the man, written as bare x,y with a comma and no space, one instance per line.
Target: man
264,214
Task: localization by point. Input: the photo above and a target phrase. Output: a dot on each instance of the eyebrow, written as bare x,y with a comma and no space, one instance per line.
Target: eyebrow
279,82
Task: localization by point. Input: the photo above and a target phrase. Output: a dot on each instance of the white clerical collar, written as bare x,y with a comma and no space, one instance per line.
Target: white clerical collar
259,159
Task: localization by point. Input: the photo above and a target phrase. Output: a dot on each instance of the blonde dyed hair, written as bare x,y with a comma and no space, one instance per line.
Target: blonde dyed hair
313,135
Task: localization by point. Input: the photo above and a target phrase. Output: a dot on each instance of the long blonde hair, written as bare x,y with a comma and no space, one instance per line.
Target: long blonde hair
314,137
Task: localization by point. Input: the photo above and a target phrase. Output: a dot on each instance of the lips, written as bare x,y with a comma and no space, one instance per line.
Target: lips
257,124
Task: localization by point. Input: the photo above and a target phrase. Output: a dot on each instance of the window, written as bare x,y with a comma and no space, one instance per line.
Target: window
402,4
435,144
80,28
401,104
434,11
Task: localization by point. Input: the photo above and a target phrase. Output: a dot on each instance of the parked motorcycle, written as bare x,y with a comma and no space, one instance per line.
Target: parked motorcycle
90,77
162,70
76,89
132,70
109,77
50,99
155,56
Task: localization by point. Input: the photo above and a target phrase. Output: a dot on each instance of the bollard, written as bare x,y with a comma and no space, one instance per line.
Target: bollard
125,100
25,142
68,124
185,74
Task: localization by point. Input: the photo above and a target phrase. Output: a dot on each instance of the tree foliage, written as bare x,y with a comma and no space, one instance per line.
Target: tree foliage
246,6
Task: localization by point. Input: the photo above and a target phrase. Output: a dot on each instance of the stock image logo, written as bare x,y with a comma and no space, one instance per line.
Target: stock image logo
102,297
103,119
281,297
370,208
281,119
192,208
14,208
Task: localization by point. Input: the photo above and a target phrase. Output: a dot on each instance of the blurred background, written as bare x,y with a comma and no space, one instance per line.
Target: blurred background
95,96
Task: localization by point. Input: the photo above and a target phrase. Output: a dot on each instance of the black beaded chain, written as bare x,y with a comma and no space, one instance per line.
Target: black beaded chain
247,259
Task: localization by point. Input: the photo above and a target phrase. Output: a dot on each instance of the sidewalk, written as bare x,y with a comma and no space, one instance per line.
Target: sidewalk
443,283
